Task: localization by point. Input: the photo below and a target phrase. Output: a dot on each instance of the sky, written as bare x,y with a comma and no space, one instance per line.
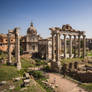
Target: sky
45,14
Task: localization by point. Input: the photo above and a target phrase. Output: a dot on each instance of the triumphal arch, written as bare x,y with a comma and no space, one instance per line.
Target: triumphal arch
66,30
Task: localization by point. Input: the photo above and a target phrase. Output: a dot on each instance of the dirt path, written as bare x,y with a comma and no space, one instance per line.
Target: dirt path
64,85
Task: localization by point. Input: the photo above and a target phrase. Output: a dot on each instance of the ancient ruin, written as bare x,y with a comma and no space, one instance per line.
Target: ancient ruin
14,32
66,30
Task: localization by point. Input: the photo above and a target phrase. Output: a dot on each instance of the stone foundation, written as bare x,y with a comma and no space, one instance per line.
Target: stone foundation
56,66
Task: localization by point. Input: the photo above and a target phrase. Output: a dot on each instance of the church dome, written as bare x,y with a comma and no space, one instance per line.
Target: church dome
31,29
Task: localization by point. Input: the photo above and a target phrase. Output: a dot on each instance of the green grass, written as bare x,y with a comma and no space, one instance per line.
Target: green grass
34,87
87,86
89,53
8,72
68,60
40,62
44,86
3,55
39,77
26,63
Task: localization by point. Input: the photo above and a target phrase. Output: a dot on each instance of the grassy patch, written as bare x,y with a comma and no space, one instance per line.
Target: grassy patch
40,62
70,60
26,63
89,53
8,72
44,86
39,76
87,86
3,55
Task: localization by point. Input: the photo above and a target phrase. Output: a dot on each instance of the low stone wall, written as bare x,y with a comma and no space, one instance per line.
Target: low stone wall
73,70
84,76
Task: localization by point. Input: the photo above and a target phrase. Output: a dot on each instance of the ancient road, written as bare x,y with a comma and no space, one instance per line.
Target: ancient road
64,85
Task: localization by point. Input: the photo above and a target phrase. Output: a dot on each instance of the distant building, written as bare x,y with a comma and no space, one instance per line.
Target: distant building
4,42
30,41
89,43
45,48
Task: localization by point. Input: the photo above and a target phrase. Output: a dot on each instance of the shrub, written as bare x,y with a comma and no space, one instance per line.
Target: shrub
47,68
36,74
40,62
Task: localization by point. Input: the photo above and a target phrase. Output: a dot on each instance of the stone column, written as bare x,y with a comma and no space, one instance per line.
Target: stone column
17,40
53,47
27,45
70,52
9,48
57,47
60,46
74,46
65,46
84,46
78,45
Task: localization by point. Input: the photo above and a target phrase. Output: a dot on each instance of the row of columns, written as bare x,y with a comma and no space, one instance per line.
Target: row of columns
56,41
70,46
17,47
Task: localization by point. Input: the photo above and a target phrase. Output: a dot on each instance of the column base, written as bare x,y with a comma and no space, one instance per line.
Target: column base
18,66
55,66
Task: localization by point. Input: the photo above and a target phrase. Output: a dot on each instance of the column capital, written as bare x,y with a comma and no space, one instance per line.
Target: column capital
74,36
64,35
52,33
70,36
84,36
79,35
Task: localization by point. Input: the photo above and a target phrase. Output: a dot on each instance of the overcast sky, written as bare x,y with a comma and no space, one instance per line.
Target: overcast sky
45,14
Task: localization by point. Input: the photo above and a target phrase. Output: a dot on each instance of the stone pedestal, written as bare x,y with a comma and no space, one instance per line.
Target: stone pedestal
56,66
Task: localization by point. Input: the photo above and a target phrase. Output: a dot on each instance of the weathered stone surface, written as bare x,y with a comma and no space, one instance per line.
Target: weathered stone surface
26,75
3,82
12,87
17,79
55,66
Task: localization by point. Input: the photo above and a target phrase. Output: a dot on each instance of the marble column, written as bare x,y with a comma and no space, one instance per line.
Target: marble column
79,45
74,46
70,51
84,46
17,40
53,47
65,46
57,47
9,48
